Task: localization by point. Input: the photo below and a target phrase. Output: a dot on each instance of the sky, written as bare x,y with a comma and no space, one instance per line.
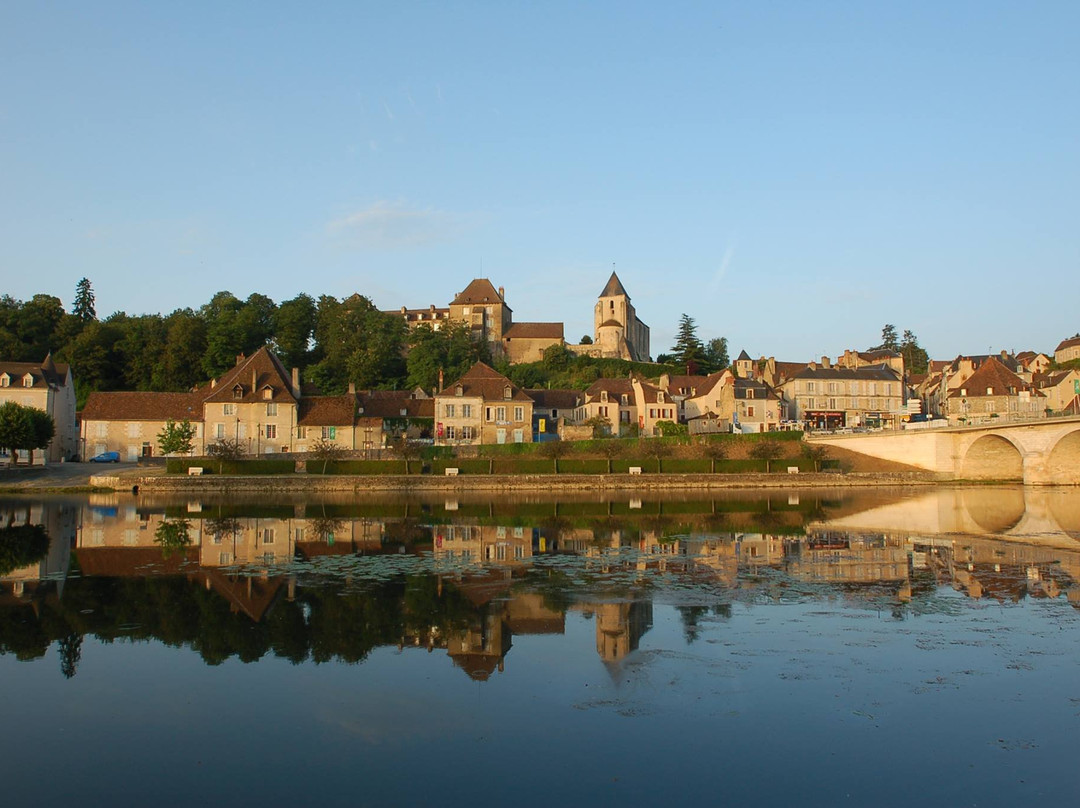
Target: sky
792,175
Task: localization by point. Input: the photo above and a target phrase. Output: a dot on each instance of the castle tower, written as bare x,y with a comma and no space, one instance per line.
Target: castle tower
617,330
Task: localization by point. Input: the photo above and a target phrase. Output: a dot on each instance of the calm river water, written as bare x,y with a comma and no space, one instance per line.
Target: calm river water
875,648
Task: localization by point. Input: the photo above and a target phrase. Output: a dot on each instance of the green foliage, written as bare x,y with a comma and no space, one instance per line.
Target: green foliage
767,450
669,429
716,354
24,428
359,344
889,339
173,536
21,546
83,306
176,438
325,451
688,350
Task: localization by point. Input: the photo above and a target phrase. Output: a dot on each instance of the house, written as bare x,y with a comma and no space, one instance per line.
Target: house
550,407
434,318
708,399
610,400
1062,390
330,419
653,406
1068,349
46,386
872,358
256,403
748,403
409,413
129,422
681,388
483,406
1034,361
993,391
827,397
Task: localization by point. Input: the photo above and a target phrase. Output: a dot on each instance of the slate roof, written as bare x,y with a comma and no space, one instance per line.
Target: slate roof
127,406
390,403
683,385
744,356
482,381
534,331
762,391
614,287
868,372
556,399
614,387
45,374
479,290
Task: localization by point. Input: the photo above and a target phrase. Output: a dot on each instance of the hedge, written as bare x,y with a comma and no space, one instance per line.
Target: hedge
211,465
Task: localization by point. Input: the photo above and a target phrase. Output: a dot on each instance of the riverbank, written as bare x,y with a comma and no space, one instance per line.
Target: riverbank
301,483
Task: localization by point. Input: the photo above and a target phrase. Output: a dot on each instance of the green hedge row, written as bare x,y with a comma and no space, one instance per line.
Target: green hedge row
211,465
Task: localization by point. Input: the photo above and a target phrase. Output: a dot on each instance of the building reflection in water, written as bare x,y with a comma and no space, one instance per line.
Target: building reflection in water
490,572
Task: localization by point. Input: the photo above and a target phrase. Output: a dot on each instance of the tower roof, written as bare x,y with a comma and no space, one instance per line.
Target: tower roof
614,287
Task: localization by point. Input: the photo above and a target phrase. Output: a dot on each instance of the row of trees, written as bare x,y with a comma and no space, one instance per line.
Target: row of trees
24,429
916,359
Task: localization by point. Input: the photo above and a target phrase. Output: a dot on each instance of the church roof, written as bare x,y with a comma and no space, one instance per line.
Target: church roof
614,287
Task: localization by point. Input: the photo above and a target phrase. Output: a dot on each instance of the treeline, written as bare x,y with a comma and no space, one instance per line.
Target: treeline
333,342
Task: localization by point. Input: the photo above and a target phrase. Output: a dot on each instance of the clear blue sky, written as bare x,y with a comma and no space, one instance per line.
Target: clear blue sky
792,175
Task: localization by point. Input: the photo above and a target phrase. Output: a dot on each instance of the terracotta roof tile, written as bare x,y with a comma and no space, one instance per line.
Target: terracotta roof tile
479,291
487,383
127,406
534,331
327,411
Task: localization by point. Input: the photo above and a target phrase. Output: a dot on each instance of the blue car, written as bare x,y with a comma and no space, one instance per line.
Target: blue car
106,457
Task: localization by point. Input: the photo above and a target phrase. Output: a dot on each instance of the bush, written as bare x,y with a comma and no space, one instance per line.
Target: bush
210,465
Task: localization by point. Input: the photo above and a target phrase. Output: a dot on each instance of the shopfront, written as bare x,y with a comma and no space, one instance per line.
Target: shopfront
825,419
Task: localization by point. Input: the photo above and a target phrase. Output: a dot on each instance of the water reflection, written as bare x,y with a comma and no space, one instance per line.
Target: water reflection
334,579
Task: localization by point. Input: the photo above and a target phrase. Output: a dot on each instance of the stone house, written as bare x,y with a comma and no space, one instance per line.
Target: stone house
827,397
1068,349
993,391
256,403
129,422
653,405
611,400
482,407
1062,390
46,386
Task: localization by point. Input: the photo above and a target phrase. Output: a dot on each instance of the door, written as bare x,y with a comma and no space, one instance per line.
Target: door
500,436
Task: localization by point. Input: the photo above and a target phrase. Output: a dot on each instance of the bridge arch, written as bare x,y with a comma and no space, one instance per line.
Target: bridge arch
1063,464
992,457
996,509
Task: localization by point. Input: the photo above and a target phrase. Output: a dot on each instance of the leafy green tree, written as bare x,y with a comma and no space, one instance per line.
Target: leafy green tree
326,451
554,449
557,357
42,431
38,321
83,307
176,438
225,450
716,354
173,536
185,350
611,449
16,428
294,329
714,450
142,352
586,340
815,452
223,336
767,450
21,546
359,344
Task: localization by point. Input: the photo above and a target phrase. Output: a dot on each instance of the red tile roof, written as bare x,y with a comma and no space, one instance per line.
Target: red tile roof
534,331
327,411
994,377
478,291
126,406
262,369
487,383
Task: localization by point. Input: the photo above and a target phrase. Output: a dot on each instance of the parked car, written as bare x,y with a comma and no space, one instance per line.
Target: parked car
106,457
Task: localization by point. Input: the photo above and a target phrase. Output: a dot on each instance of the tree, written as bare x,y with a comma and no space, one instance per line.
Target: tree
408,450
176,438
42,431
557,357
586,340
767,450
83,307
888,339
173,536
716,354
21,546
326,451
688,348
225,449
601,426
554,449
714,450
611,449
15,428
294,327
815,452
916,359
658,450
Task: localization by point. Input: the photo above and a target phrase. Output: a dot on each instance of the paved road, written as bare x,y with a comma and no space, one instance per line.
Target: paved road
61,475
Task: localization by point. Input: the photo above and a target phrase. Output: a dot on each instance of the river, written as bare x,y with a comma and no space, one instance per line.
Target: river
811,647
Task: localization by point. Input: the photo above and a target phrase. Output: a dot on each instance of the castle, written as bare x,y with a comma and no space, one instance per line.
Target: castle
617,331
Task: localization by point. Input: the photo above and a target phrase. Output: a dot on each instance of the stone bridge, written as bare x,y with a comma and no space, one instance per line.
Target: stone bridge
1045,452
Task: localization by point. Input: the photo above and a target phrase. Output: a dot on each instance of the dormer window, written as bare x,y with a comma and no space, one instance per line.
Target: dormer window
659,398
27,380
963,391
459,390
749,393
623,400
603,396
508,393
5,380
989,391
268,393
238,392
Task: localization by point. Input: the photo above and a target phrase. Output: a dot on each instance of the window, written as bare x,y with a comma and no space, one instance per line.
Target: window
271,408
28,380
271,431
466,410
238,392
459,390
832,387
451,433
989,391
102,429
487,414
134,430
659,398
451,410
622,399
500,413
5,380
227,409
219,431
268,535
267,394
603,396
750,411
508,392
467,433
298,534
329,433
749,393
810,387
466,310
519,413
301,432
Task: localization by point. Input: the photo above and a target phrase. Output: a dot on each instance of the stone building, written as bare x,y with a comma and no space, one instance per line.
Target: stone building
45,386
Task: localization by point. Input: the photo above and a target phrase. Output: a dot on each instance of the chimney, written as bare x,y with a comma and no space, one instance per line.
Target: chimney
254,379
296,382
239,358
440,379
502,294
403,310
825,363
433,308
352,388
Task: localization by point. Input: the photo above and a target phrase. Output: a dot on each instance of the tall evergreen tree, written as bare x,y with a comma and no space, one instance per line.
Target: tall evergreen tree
83,307
688,348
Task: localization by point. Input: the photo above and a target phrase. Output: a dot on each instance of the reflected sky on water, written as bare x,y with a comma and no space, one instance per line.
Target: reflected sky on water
811,646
